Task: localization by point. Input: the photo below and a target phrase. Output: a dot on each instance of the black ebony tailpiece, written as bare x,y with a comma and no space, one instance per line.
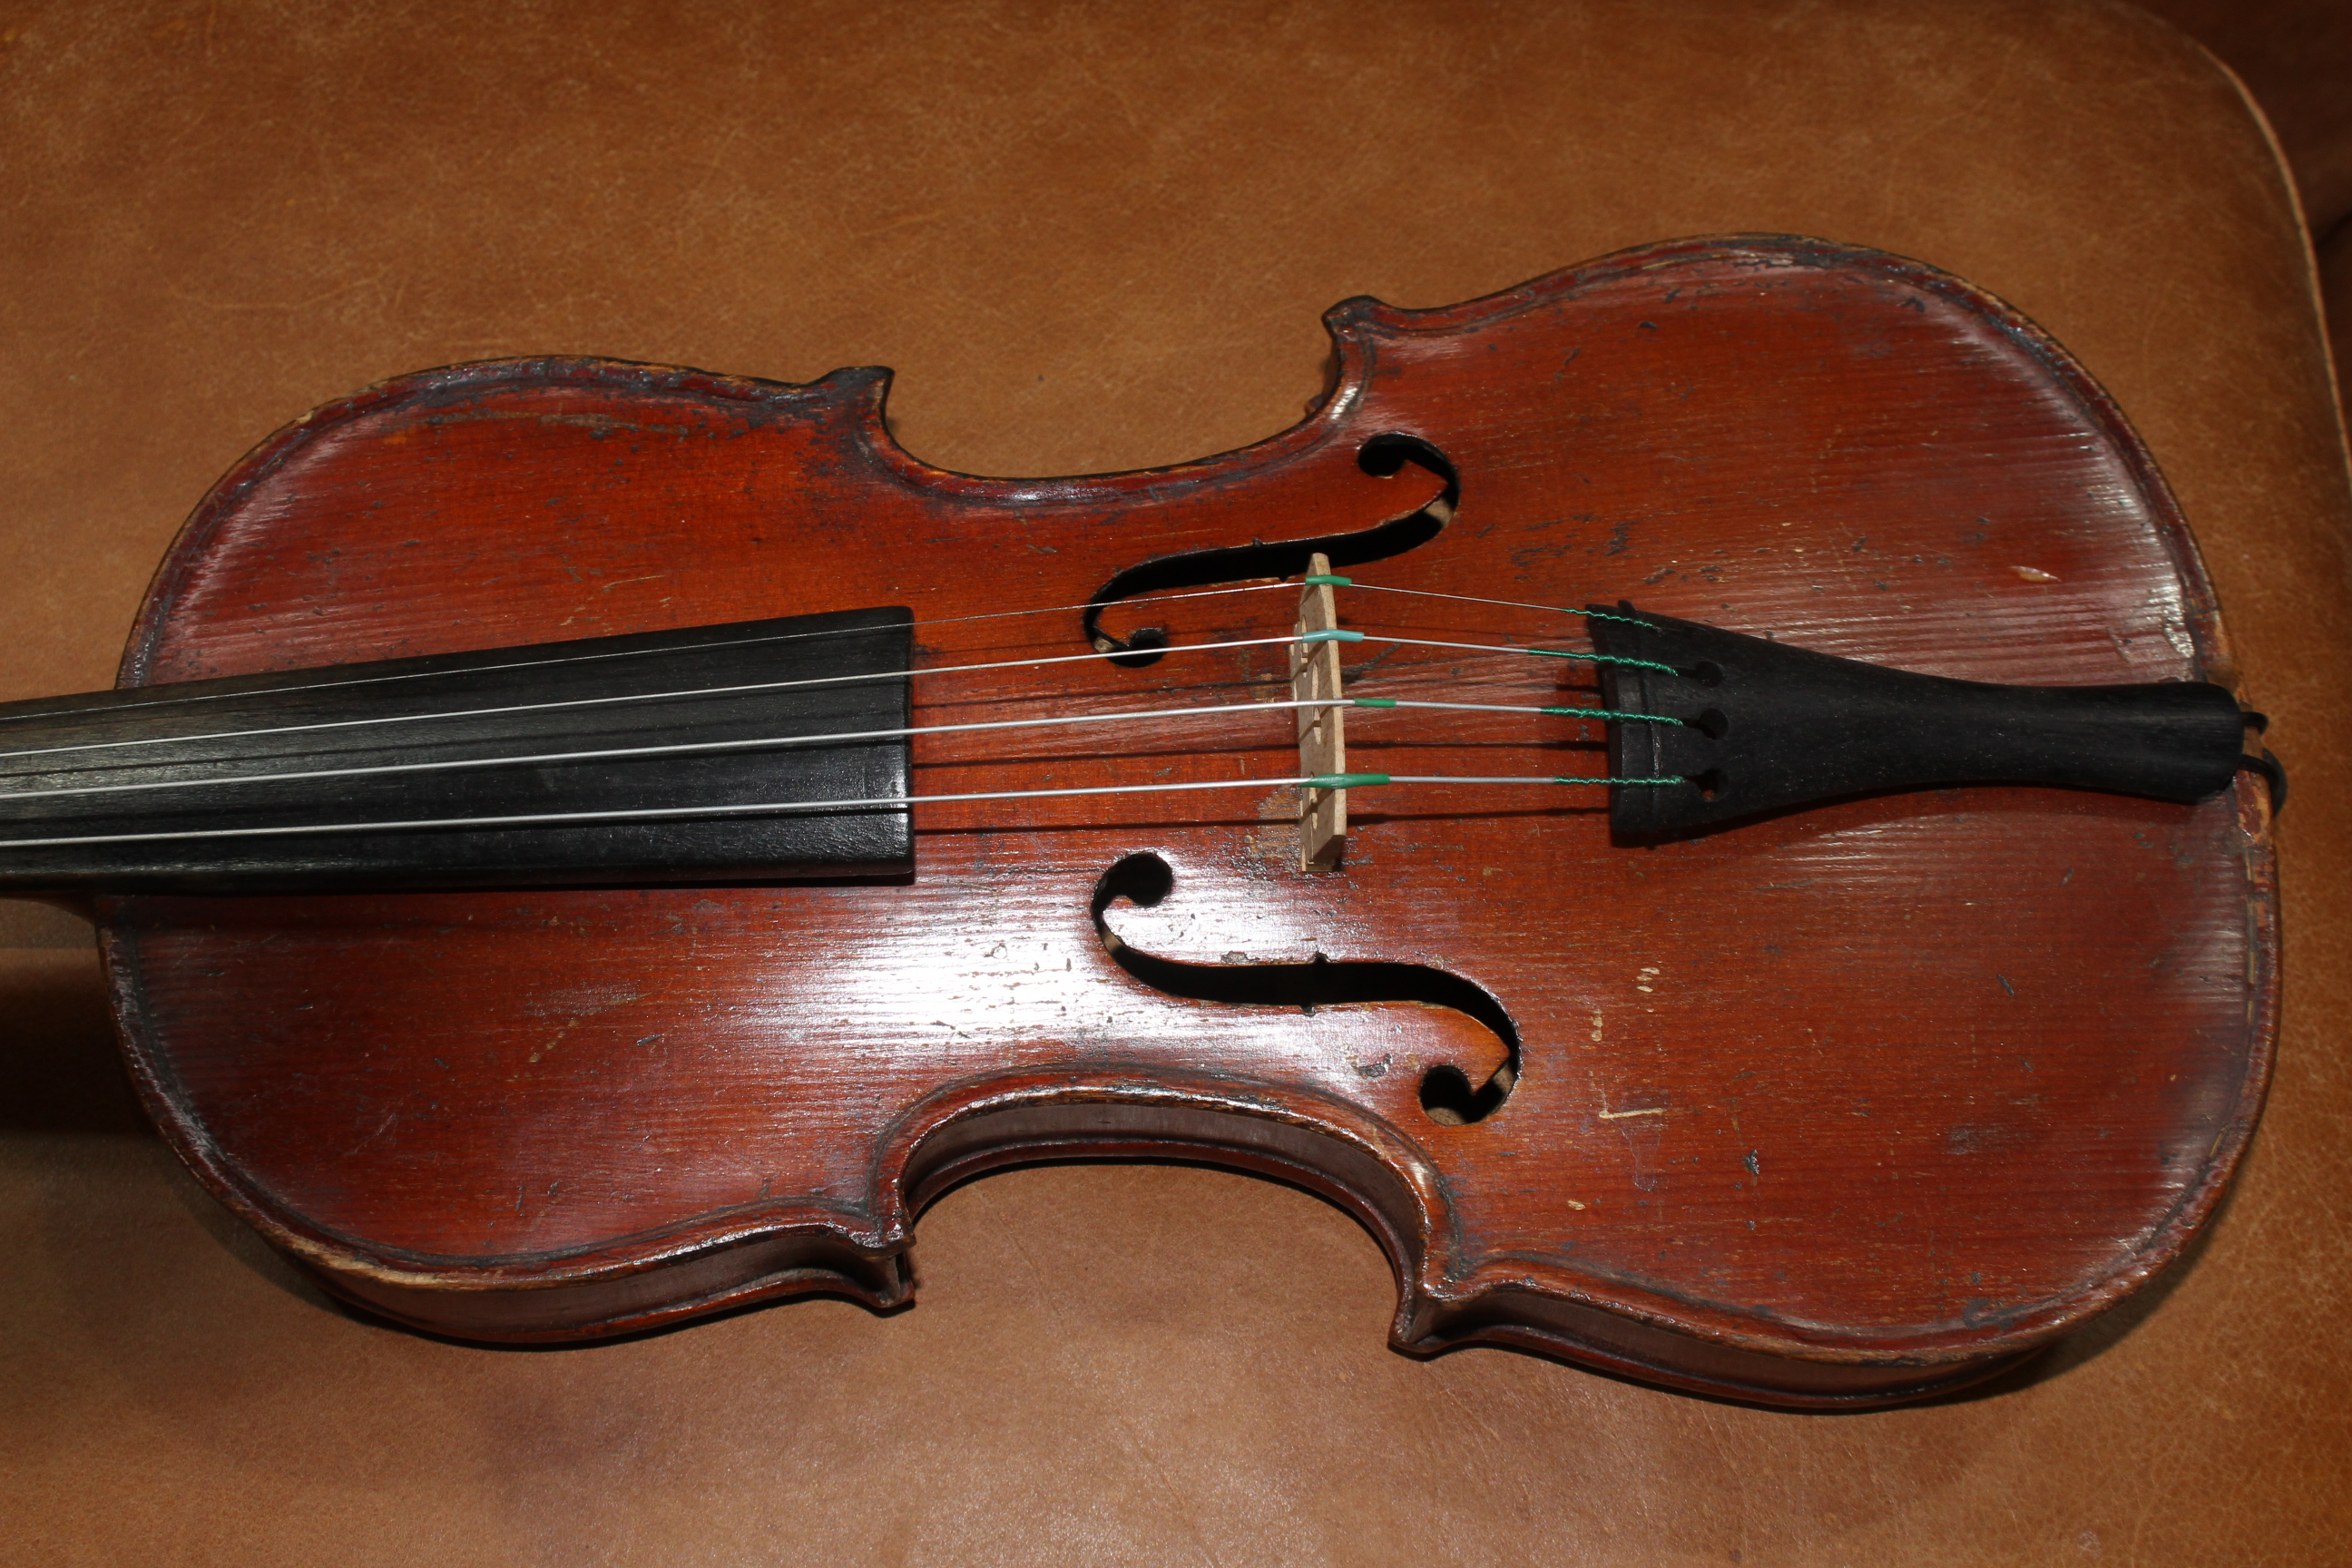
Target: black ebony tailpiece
1766,726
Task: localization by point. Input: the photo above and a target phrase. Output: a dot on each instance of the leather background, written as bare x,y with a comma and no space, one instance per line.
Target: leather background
1095,238
2294,58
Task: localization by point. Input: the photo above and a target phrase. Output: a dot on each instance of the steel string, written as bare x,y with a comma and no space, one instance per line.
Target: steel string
771,808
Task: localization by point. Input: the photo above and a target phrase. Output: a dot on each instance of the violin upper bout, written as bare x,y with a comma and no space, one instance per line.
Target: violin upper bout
505,501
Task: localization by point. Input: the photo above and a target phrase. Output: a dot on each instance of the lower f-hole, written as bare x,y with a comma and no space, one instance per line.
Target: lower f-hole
1448,1094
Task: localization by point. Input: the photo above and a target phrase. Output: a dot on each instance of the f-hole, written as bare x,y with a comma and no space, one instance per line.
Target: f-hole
1446,1091
1383,457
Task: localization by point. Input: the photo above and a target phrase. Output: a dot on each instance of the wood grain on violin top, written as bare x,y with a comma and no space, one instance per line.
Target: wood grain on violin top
1837,1104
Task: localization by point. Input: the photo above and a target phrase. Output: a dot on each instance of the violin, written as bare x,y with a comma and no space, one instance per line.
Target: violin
1700,797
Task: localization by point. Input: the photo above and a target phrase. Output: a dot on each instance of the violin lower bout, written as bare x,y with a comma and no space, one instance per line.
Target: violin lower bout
1207,1123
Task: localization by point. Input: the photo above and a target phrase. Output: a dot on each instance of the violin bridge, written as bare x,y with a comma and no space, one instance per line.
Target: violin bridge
1322,740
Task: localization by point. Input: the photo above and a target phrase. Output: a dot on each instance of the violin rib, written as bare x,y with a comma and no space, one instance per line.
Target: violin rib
1837,1106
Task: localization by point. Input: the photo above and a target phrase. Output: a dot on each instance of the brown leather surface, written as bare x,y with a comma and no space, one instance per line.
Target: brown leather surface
1089,240
2294,58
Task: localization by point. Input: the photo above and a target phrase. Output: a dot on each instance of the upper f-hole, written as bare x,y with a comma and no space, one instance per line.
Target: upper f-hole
1383,456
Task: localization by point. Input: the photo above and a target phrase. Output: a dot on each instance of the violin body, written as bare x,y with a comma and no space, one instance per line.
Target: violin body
1840,1106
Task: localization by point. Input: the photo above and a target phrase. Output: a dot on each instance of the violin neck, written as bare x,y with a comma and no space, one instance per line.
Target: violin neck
138,789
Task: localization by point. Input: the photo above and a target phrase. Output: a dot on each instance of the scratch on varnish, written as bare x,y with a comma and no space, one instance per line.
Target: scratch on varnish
548,1047
1602,1094
389,1118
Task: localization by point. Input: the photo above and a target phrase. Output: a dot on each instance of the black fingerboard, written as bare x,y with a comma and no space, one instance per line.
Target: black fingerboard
732,692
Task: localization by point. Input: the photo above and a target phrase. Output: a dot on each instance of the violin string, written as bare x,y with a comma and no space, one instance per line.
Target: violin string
308,687
1474,599
1326,781
621,653
840,737
625,697
746,688
783,807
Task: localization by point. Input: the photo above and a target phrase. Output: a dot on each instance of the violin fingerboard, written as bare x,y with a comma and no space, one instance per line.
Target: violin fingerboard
327,762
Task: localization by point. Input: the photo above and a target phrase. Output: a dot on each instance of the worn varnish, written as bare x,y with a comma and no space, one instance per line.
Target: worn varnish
1845,1105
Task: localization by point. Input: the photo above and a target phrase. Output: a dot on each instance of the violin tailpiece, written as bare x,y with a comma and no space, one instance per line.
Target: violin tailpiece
1767,727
